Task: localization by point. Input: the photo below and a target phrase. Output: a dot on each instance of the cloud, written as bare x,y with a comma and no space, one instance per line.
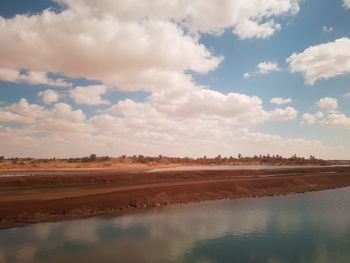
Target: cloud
319,115
203,103
152,46
7,116
267,67
322,61
25,112
347,95
89,95
280,101
336,120
250,29
130,55
248,19
285,114
312,118
346,4
49,96
131,44
328,104
130,127
197,104
53,124
327,29
247,75
202,106
331,118
308,119
31,77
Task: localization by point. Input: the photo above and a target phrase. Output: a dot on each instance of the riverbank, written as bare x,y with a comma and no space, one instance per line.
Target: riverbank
57,195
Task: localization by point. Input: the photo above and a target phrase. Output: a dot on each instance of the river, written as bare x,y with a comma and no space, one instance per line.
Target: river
311,227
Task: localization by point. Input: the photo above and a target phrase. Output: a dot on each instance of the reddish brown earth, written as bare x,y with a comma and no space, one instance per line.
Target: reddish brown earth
54,195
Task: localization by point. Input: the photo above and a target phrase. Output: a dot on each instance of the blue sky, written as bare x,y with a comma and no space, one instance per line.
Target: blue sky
129,101
300,32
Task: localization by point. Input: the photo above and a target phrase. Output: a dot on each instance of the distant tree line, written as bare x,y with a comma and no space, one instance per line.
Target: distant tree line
218,160
222,160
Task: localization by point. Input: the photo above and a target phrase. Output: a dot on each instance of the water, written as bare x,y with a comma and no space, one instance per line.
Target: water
304,228
232,167
165,169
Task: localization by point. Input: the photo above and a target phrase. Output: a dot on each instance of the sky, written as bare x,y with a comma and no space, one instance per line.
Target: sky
177,78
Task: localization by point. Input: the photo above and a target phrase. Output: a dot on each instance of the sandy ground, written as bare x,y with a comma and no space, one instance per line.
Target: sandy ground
62,194
6,166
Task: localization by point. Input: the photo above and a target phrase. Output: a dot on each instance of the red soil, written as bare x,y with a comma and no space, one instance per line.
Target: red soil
69,194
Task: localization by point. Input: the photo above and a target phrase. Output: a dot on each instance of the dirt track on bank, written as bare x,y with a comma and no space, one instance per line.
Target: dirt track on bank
54,195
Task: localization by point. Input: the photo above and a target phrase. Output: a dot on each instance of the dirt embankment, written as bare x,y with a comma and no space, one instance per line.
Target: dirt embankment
54,195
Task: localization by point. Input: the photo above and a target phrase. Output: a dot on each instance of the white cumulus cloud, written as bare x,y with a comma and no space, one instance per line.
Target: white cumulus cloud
49,96
247,75
152,46
331,118
248,19
336,120
130,55
308,119
319,115
136,128
267,67
31,77
89,95
132,44
322,61
280,101
328,104
285,114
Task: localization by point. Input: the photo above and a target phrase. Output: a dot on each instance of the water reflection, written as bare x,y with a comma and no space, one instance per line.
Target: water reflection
313,227
232,167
